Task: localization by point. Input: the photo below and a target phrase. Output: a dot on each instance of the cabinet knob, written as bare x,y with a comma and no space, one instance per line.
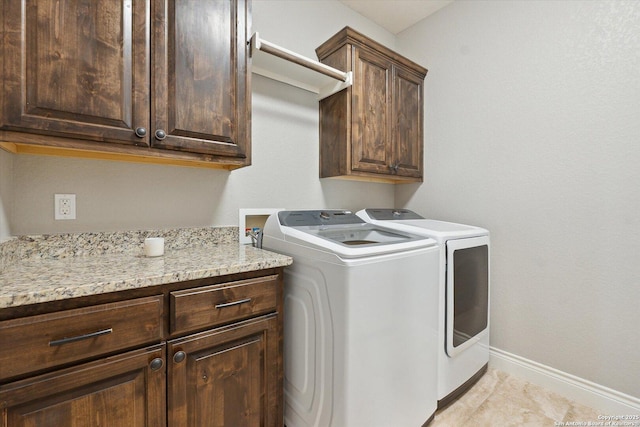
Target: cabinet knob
179,356
141,132
156,364
160,135
394,168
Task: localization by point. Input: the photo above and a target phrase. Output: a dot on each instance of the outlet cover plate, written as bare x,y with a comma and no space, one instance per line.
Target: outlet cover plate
64,206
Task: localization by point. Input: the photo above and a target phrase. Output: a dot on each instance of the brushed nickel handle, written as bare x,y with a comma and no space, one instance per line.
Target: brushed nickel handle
160,134
141,132
80,337
229,304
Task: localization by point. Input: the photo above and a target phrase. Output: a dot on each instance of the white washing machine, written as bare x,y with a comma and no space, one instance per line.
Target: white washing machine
360,321
463,350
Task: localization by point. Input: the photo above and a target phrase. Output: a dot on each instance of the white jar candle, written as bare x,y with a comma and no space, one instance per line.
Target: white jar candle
154,246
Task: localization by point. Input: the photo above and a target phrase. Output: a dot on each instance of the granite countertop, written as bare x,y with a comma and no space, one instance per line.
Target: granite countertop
41,278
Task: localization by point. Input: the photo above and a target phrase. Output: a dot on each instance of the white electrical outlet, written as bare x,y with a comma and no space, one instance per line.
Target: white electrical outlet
65,206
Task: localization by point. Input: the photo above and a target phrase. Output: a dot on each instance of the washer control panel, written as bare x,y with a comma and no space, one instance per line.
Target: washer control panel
318,217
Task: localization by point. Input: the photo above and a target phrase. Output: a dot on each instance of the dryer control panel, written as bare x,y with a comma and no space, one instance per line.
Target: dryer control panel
392,214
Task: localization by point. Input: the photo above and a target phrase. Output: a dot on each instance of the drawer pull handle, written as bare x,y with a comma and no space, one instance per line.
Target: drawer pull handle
229,304
80,337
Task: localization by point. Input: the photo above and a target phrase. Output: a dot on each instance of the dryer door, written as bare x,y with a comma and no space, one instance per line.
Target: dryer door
467,293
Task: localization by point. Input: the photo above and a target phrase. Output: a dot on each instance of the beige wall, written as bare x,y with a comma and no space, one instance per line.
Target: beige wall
532,130
6,193
120,196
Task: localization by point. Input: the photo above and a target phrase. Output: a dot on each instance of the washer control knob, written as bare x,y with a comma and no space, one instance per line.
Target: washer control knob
325,215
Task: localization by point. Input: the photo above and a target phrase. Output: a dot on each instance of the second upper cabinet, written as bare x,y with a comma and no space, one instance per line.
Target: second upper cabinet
374,129
200,79
154,74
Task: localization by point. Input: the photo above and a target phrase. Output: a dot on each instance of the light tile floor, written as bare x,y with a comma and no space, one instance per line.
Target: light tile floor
499,399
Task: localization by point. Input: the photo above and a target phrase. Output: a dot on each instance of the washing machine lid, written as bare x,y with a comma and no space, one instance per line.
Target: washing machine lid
411,222
345,234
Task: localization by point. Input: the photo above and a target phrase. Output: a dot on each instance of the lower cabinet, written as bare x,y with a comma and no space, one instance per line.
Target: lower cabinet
190,354
122,391
225,377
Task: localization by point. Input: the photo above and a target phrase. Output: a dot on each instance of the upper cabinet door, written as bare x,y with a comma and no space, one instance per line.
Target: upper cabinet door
77,69
371,122
200,84
408,127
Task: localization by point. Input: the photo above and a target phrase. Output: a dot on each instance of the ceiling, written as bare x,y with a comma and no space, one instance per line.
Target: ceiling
396,15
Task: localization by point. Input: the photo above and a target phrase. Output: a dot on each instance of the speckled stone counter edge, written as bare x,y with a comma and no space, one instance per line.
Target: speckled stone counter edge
56,246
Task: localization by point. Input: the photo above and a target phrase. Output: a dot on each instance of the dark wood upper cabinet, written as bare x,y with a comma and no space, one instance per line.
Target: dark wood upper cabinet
77,69
407,105
371,110
200,82
372,130
155,78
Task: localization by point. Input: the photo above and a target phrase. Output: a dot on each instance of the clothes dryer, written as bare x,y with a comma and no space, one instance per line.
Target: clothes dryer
359,339
463,301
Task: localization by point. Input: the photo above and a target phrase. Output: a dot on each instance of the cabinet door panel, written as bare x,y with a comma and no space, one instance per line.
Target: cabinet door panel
235,384
408,129
122,391
78,69
229,377
200,84
370,150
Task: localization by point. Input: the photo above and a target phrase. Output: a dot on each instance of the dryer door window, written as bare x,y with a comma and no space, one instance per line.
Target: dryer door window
467,292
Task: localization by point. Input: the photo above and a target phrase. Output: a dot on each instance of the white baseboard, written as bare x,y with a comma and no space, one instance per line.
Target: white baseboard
596,396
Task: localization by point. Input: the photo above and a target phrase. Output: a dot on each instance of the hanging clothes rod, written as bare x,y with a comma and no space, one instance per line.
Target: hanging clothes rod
344,79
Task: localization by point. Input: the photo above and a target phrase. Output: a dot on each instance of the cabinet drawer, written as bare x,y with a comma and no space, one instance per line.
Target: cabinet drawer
39,342
209,306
